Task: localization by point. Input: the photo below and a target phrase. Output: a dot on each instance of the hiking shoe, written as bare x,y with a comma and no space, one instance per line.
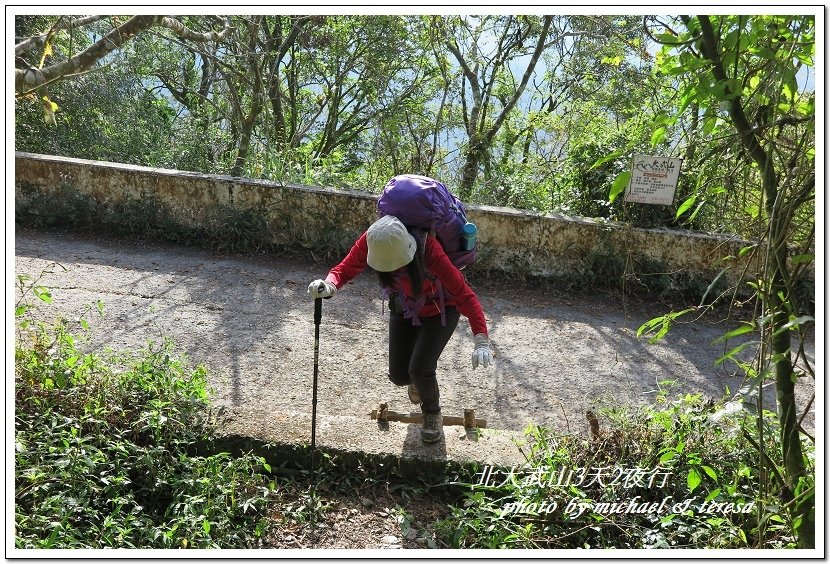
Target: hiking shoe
432,430
414,396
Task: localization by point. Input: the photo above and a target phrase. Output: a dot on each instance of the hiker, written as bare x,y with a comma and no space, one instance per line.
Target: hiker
427,294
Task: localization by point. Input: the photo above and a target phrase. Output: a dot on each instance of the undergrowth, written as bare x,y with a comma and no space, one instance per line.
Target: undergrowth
685,473
117,450
109,451
106,457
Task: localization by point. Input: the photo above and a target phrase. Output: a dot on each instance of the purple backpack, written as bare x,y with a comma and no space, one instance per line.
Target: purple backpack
423,203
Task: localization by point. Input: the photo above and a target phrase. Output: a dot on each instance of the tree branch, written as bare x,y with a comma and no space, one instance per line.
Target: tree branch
28,80
36,41
184,32
736,111
540,45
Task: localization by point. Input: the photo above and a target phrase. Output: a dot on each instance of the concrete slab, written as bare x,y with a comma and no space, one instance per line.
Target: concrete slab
264,431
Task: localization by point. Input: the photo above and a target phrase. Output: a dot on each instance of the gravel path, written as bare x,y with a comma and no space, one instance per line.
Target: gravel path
249,321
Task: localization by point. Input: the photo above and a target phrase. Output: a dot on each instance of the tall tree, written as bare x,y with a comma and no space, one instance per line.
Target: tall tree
485,48
302,89
366,68
742,73
592,94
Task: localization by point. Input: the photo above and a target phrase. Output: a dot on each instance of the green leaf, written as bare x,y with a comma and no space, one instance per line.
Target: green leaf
805,58
806,258
734,351
619,185
693,479
709,124
794,323
663,119
658,135
664,322
667,456
687,203
733,88
752,211
697,209
713,283
206,526
743,329
42,294
649,325
805,108
710,472
763,53
610,157
688,97
745,250
790,87
731,39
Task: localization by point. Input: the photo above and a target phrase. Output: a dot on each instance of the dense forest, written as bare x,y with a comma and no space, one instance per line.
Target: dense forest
535,112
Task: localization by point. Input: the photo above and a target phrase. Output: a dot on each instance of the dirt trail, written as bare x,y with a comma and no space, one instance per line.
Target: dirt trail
250,322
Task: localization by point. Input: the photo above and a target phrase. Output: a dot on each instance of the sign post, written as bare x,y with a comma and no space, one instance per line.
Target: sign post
653,180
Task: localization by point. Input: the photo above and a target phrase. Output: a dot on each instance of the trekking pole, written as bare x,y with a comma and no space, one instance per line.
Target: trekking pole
318,314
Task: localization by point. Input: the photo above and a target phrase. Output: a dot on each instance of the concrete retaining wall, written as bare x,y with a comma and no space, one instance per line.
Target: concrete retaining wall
515,242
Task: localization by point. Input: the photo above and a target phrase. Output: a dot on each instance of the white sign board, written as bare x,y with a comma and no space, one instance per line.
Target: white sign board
653,180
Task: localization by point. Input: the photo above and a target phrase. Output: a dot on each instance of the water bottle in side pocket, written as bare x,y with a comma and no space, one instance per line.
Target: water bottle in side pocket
468,235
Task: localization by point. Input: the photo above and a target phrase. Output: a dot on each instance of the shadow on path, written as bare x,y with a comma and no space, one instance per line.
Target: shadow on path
250,322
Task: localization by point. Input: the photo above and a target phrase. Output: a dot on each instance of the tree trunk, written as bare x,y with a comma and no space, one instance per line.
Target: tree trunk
469,173
249,120
774,296
481,137
776,308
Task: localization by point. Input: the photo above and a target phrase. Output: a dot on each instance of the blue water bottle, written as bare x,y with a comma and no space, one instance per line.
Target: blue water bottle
468,234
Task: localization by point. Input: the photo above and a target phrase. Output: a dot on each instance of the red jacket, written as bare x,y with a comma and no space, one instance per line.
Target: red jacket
456,290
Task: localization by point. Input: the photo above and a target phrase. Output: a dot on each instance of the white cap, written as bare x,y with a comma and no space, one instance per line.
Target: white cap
391,246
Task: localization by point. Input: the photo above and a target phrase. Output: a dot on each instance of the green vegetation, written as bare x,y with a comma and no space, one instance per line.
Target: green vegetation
115,449
685,473
107,450
740,73
539,113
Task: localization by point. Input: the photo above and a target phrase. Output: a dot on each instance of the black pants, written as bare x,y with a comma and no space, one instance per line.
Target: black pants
414,351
